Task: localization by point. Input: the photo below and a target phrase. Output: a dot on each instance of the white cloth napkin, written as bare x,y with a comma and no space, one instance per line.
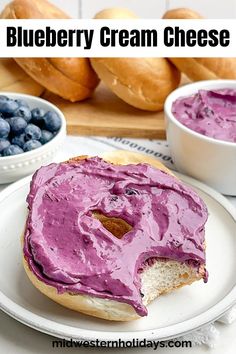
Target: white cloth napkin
74,146
209,334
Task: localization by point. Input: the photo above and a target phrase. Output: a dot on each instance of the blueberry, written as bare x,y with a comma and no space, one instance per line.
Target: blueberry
32,132
37,116
52,121
12,150
31,145
46,136
23,112
19,140
7,120
4,128
22,103
4,143
7,108
18,125
130,191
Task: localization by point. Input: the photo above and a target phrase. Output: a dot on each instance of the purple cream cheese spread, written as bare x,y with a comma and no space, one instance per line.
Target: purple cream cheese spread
211,113
66,247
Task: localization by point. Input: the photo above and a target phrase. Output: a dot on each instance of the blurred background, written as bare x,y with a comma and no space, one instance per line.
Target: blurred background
145,9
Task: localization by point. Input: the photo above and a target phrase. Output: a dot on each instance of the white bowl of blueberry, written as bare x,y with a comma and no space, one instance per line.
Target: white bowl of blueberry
31,132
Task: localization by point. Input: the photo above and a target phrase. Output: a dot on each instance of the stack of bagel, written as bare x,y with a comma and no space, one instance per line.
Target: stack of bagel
70,78
141,82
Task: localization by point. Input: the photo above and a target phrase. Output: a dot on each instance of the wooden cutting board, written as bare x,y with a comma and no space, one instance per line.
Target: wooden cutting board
106,115
14,79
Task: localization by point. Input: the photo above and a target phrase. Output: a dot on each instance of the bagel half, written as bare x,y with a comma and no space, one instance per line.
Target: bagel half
141,82
197,69
70,78
158,276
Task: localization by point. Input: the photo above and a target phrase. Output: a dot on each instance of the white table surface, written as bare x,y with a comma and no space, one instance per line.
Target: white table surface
15,338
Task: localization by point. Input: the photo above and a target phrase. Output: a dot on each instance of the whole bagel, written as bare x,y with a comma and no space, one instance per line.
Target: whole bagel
201,68
70,78
142,82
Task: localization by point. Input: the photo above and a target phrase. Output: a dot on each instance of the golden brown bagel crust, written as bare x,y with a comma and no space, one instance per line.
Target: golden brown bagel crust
70,78
181,13
201,68
37,9
142,82
111,309
115,13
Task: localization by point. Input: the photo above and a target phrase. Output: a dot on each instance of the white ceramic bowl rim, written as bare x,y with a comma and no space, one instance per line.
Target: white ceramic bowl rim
204,84
42,148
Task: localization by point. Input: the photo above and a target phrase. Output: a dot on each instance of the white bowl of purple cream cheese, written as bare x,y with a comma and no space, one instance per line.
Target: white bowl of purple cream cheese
201,132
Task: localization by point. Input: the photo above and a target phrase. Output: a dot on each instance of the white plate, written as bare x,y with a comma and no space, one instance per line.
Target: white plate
169,316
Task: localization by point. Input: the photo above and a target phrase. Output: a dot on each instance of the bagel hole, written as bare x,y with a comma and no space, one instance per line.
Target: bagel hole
116,226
